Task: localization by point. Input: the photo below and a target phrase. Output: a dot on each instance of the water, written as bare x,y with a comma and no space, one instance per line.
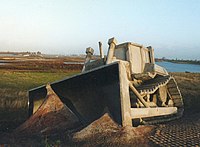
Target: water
175,67
9,55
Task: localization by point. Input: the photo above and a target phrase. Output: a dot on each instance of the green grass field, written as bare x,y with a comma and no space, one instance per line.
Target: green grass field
14,86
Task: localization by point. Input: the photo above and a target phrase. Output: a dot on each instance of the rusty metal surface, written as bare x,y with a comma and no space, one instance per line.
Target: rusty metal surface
183,132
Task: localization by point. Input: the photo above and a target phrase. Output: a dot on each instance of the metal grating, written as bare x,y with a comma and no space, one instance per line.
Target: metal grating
183,132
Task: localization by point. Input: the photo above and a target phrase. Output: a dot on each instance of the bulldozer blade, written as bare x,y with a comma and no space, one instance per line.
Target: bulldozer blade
51,116
87,94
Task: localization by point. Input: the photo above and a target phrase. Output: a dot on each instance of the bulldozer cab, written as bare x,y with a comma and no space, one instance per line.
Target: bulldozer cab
136,54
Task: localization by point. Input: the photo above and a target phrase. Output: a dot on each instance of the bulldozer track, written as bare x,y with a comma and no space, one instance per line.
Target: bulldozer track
182,132
150,86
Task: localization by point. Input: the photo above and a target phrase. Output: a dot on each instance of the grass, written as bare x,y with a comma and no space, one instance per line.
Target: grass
14,88
26,80
189,84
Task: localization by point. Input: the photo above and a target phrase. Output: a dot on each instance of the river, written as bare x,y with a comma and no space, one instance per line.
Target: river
175,67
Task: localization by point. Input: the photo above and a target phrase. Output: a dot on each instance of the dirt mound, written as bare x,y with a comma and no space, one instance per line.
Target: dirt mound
54,119
52,116
102,132
105,132
103,124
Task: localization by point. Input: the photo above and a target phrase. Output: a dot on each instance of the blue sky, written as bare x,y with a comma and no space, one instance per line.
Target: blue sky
172,27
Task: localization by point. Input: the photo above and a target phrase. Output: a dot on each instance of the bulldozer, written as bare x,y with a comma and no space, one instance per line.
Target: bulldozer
127,83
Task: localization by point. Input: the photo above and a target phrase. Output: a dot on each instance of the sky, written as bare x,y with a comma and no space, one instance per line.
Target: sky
171,27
